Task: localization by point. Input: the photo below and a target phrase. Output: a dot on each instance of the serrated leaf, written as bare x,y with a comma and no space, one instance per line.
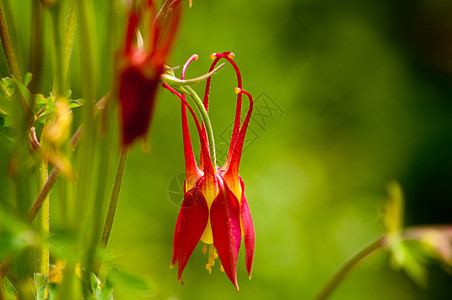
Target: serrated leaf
7,85
8,81
40,99
40,281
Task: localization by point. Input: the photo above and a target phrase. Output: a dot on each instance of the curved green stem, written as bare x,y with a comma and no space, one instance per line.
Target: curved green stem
349,265
8,49
113,204
205,118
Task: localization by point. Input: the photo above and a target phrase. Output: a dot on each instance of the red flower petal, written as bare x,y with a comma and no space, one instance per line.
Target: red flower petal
225,220
248,229
191,222
137,96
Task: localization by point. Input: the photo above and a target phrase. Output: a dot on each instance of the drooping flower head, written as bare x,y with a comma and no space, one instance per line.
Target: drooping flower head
140,65
214,209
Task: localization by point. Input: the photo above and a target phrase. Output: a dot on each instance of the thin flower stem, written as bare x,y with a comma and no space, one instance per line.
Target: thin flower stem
11,58
8,49
50,182
42,253
206,120
378,244
58,83
113,203
42,196
100,105
36,45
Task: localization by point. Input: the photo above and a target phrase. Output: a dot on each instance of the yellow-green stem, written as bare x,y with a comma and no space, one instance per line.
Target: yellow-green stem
58,83
114,200
42,253
349,265
36,45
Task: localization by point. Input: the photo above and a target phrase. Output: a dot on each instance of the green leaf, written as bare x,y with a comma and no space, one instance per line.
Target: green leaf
40,281
27,79
109,286
95,286
7,85
74,103
5,104
40,99
412,260
23,90
10,291
132,286
67,94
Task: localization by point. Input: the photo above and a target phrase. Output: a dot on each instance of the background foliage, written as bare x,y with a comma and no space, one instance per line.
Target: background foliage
358,93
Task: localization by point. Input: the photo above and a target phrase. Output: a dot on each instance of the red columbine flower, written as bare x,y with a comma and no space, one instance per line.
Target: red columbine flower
214,209
139,68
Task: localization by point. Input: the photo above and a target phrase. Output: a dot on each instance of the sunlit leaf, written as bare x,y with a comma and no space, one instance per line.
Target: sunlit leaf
10,292
108,287
40,281
23,90
95,286
27,79
67,94
7,85
40,99
412,260
131,285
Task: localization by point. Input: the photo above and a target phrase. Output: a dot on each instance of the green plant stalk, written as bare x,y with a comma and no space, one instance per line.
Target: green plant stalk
113,201
42,253
206,120
87,153
8,49
87,147
99,201
42,196
69,36
343,271
11,60
58,83
36,46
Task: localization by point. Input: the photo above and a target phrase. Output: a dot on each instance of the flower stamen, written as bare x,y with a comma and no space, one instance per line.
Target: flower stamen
212,256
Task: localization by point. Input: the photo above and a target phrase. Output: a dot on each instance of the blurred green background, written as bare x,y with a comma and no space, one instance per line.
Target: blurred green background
349,95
